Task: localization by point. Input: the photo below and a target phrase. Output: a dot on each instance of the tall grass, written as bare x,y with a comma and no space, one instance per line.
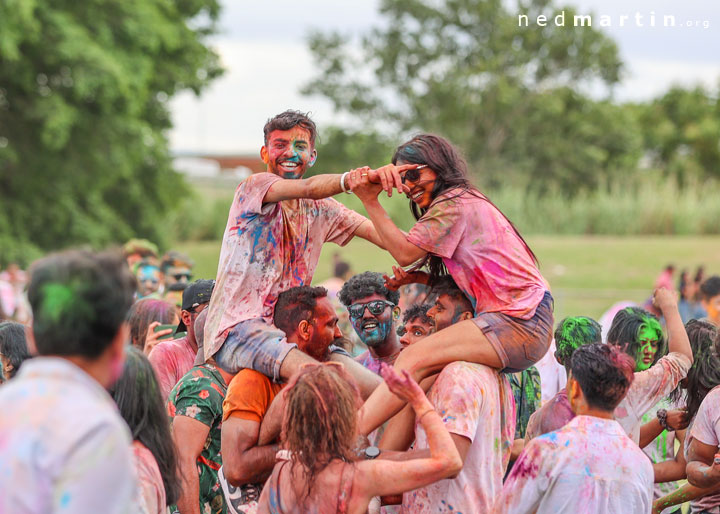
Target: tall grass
641,204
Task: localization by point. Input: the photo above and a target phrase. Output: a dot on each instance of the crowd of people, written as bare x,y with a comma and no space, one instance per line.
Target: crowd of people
445,385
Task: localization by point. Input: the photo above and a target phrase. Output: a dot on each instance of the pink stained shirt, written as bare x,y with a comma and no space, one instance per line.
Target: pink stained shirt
151,488
171,360
267,249
648,388
482,253
706,429
475,402
553,415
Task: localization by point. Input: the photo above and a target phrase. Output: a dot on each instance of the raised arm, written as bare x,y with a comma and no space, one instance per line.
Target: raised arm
393,239
678,341
383,477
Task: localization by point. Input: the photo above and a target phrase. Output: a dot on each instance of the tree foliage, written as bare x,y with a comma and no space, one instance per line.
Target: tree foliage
509,96
84,91
681,131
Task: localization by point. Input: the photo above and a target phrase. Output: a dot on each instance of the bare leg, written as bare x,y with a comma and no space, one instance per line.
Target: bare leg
366,380
463,341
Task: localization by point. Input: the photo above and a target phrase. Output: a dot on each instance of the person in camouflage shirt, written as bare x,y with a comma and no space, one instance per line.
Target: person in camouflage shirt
195,409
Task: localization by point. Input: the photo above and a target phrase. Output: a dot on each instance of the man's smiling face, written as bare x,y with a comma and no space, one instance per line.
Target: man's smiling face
289,153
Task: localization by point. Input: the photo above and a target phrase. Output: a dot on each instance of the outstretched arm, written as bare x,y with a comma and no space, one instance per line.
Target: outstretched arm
393,239
383,477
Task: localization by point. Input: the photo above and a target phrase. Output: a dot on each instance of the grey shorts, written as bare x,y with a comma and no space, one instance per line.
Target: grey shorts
519,343
258,345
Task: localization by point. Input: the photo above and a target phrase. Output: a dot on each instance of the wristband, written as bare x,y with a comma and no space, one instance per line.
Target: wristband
342,183
662,418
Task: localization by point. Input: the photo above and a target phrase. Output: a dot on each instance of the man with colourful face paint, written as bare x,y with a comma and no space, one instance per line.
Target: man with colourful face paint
373,313
639,334
477,409
416,324
276,227
149,278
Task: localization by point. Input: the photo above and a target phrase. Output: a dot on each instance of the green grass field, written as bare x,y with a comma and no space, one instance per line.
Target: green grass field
587,273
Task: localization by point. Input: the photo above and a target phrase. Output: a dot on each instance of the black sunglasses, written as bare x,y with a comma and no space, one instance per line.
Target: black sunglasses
413,175
375,307
180,276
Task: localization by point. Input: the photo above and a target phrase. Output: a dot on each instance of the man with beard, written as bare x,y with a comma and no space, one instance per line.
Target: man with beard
373,313
276,227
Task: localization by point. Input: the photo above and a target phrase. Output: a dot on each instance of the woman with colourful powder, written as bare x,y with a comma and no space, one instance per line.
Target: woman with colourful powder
320,471
461,232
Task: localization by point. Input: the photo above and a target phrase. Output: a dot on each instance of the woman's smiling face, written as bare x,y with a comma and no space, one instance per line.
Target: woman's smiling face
420,189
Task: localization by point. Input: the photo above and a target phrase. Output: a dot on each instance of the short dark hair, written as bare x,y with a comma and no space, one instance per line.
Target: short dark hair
604,374
710,288
574,332
79,300
288,120
417,311
13,345
139,400
295,305
145,311
446,285
366,284
626,327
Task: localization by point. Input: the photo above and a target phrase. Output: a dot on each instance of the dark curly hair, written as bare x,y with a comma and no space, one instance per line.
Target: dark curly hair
574,332
13,345
604,374
417,311
626,327
296,304
704,374
448,163
289,120
446,285
366,284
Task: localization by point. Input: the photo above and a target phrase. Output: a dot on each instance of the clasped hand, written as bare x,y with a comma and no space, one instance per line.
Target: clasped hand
367,183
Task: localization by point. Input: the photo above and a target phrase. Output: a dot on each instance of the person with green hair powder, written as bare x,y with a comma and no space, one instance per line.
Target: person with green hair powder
639,334
570,334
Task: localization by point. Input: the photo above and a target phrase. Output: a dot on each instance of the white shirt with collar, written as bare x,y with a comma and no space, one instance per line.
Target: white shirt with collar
63,446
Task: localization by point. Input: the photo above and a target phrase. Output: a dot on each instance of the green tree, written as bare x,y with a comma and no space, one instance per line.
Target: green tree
84,91
510,96
681,131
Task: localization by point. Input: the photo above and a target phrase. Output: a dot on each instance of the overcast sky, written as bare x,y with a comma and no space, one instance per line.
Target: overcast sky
263,49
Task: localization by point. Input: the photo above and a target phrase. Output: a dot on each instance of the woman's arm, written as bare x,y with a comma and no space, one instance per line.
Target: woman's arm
685,493
394,240
383,477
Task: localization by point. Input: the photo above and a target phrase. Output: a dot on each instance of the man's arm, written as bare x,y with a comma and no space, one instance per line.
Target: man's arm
324,186
702,470
685,493
244,462
189,436
366,380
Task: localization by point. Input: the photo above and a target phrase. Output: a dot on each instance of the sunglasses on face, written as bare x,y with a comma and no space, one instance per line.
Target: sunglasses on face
375,307
181,276
414,174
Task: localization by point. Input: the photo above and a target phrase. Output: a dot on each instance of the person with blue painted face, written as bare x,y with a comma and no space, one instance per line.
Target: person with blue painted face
373,314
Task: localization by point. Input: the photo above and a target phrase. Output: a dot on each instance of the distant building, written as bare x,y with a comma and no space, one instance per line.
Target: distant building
231,167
